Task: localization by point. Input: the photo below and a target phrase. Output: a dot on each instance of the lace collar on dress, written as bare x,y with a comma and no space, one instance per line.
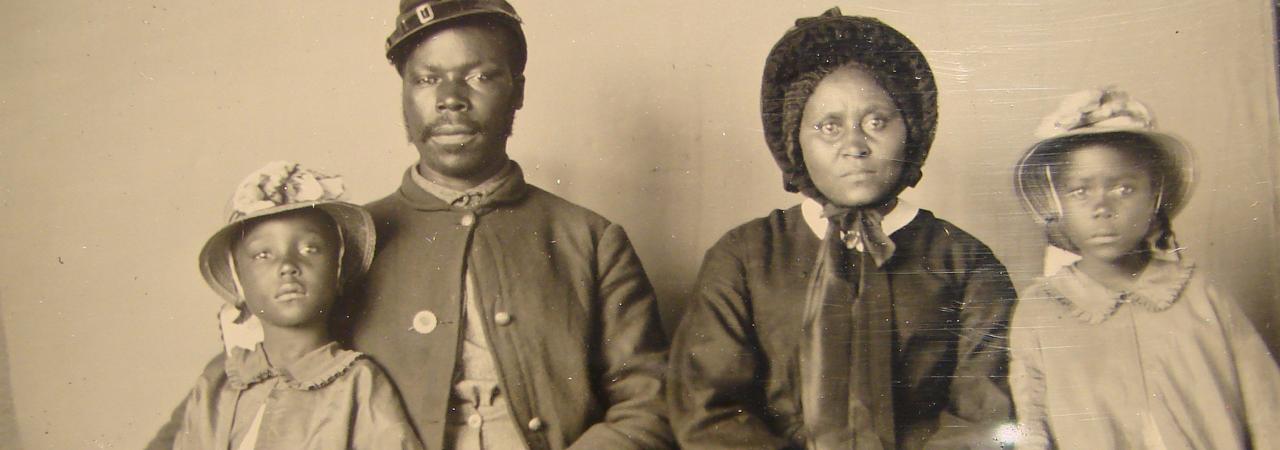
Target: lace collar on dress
312,371
1156,289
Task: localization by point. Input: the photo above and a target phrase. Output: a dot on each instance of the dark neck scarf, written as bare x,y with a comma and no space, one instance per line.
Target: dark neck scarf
846,357
861,230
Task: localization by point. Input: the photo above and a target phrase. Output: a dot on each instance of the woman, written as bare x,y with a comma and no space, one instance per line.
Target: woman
852,320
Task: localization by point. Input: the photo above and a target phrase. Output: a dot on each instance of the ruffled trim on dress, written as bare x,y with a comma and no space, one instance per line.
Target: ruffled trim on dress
334,363
312,371
1159,286
247,367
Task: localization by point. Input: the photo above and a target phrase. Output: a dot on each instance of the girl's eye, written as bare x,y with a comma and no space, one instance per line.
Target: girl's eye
1076,193
261,255
310,249
1123,191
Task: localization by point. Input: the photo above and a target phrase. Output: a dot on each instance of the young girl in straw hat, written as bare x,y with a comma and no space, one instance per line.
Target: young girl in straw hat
1130,346
852,320
283,257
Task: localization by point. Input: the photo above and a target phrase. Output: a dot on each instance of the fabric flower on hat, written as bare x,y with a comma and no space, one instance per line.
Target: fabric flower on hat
1096,109
282,183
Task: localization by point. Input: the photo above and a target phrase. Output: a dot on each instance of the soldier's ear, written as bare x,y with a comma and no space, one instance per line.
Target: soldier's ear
517,101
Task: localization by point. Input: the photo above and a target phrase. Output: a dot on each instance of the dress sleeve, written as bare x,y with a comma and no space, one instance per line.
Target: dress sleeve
716,399
1255,368
166,438
979,410
380,422
633,353
1026,380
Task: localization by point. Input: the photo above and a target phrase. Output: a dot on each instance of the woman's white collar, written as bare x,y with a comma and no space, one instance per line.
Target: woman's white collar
899,217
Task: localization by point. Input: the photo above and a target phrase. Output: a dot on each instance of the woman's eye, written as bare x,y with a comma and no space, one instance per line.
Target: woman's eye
828,128
310,249
874,123
1076,193
1123,190
261,255
428,80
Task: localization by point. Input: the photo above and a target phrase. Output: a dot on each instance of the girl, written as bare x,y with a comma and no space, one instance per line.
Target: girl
853,320
1129,347
289,246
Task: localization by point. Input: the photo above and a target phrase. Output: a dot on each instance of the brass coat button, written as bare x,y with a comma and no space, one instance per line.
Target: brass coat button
502,318
424,322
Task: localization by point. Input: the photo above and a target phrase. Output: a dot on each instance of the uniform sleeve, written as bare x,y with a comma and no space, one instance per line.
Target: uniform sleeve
1027,382
380,422
166,438
1255,368
633,353
717,401
979,410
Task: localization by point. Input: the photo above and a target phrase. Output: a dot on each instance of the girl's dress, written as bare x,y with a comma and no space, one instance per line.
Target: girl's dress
328,399
1171,364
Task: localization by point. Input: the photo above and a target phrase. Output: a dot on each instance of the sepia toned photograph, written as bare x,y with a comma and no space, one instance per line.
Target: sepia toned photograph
509,224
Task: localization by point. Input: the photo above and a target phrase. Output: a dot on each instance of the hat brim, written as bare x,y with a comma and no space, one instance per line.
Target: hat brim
355,223
410,24
1031,185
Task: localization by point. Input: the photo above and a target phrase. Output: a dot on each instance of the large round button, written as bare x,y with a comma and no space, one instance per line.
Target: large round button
535,424
502,318
475,421
424,322
467,220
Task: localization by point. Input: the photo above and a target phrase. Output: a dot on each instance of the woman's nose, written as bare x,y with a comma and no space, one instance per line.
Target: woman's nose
855,143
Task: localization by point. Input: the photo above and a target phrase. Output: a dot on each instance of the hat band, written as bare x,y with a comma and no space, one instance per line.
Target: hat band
430,13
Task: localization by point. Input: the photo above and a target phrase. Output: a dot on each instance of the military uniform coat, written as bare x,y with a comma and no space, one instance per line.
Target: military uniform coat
569,312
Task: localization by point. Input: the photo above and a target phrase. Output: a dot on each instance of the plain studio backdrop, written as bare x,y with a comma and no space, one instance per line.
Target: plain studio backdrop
125,124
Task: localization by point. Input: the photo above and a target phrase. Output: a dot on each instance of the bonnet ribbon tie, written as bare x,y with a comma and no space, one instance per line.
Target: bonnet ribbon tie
832,13
846,356
860,230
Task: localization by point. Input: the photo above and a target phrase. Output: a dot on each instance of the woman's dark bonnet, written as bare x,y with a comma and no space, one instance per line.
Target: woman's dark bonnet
817,46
